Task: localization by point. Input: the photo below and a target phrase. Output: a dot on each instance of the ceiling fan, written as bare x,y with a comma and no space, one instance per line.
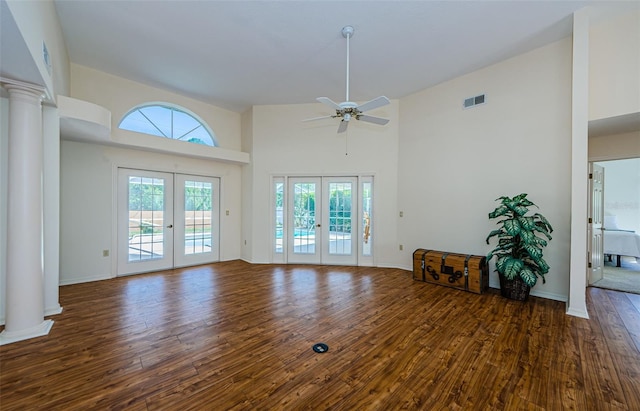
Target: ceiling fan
348,110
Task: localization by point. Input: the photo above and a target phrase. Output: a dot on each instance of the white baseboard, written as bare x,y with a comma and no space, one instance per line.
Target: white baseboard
549,296
8,337
80,280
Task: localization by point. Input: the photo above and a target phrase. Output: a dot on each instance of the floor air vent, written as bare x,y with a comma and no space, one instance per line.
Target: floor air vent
474,101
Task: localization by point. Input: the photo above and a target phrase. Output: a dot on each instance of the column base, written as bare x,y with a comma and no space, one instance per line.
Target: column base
57,309
8,337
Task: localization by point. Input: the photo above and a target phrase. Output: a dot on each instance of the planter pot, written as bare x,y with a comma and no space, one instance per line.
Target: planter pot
515,289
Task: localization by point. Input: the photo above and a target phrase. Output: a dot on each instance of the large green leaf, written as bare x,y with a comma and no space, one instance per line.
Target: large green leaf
520,210
540,242
542,229
542,265
493,234
500,211
528,237
543,222
512,227
512,267
527,223
520,197
528,276
500,263
533,250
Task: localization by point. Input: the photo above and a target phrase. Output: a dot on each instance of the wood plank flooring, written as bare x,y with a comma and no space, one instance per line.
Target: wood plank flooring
238,336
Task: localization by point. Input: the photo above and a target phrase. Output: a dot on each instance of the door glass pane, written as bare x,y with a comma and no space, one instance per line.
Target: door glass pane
197,217
279,223
340,218
367,199
304,218
146,218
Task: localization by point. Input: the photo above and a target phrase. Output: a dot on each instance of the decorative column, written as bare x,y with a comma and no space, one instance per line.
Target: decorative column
24,311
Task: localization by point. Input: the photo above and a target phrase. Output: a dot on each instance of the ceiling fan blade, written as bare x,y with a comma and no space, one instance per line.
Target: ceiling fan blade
317,118
372,119
375,103
329,102
343,126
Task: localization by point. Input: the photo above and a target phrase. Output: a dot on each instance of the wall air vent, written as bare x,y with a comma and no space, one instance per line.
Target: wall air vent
474,101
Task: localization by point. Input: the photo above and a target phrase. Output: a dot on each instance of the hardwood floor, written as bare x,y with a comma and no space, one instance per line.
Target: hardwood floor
238,336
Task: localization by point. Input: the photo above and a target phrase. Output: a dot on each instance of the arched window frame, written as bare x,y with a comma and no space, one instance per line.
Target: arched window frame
173,107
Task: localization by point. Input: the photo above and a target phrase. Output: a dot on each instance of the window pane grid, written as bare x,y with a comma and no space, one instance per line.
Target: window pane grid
340,218
146,218
198,207
168,122
367,199
304,218
279,217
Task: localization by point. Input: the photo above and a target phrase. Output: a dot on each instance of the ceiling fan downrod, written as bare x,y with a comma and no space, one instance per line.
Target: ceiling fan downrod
347,32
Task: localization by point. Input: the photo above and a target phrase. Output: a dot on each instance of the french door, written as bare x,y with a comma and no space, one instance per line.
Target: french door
166,220
322,220
197,231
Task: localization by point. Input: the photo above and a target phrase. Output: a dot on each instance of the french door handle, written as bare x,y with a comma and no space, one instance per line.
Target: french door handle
170,226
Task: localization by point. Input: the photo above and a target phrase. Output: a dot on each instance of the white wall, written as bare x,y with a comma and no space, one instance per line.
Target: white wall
51,208
614,64
456,162
120,95
614,146
38,22
284,145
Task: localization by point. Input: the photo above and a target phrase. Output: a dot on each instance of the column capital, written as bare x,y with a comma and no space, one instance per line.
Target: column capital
23,88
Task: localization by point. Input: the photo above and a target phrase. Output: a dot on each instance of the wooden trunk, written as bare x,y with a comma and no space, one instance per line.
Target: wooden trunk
463,271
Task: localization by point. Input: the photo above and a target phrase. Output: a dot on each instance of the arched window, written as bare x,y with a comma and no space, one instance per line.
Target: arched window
164,120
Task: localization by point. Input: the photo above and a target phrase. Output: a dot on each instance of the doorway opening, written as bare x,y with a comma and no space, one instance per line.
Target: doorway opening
621,226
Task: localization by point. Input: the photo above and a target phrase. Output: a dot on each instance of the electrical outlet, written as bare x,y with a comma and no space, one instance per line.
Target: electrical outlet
401,247
227,212
105,253
401,213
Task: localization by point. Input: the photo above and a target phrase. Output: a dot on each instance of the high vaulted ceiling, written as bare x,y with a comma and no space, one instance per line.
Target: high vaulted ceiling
235,54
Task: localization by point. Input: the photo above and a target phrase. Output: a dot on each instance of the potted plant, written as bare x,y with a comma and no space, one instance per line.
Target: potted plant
521,240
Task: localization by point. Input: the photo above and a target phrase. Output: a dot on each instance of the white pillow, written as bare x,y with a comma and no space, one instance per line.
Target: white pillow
611,222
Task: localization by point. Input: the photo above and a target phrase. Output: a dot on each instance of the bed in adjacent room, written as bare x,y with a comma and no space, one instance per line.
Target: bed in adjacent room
620,242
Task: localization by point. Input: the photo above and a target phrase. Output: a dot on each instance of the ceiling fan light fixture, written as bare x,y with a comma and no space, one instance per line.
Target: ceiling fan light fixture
348,109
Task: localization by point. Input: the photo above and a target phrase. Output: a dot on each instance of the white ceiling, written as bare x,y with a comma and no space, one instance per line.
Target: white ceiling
235,54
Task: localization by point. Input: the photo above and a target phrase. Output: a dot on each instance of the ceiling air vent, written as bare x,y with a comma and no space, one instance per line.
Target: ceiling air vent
474,101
